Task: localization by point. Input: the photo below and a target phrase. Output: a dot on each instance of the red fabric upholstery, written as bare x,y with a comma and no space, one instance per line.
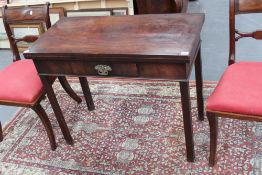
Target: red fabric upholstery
20,83
239,90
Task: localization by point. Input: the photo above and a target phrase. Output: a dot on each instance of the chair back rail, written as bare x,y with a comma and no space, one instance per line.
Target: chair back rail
248,6
241,7
160,6
24,16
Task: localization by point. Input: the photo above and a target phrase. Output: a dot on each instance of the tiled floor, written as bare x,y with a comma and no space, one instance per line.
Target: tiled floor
215,42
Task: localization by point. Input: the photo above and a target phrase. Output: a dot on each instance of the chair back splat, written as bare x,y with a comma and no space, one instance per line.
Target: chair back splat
241,7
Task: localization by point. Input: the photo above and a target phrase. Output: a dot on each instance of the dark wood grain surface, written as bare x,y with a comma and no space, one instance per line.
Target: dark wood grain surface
168,36
160,6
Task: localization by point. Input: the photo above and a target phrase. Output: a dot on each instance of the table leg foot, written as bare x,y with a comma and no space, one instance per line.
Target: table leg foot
70,142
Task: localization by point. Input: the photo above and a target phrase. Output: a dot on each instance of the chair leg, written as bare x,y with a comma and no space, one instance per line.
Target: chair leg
46,122
213,124
56,108
1,133
63,81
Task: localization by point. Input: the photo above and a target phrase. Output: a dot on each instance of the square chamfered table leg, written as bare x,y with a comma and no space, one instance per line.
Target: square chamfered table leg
199,86
187,119
57,110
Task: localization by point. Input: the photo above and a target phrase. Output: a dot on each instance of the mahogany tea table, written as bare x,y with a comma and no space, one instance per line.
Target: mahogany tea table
155,46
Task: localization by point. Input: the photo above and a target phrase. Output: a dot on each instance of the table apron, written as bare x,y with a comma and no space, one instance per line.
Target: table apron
111,69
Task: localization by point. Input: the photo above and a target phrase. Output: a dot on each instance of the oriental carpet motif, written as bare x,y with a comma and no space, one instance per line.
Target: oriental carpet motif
136,128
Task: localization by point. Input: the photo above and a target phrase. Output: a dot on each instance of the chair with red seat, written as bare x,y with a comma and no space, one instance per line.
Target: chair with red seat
20,83
238,94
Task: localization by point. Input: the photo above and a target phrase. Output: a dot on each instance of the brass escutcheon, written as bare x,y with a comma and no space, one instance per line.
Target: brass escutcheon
103,69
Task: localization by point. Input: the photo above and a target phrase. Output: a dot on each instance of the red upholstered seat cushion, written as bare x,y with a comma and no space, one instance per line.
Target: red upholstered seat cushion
20,83
239,90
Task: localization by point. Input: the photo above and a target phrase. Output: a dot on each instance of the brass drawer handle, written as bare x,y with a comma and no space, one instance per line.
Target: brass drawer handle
103,69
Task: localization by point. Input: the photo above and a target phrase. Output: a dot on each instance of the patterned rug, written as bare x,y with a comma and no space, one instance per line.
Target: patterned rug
136,129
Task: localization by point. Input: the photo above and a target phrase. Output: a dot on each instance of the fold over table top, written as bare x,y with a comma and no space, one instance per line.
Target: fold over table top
169,36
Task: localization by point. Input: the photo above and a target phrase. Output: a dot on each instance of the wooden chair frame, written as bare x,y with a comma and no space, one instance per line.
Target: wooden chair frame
38,15
236,7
